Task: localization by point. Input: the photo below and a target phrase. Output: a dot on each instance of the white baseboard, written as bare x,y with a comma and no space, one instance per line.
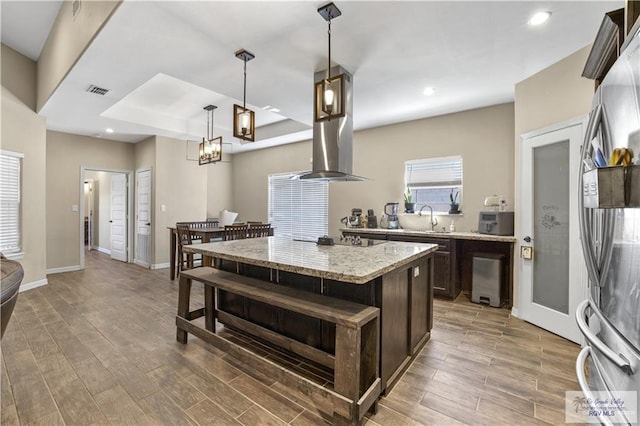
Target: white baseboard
160,265
63,269
35,284
104,250
143,264
514,312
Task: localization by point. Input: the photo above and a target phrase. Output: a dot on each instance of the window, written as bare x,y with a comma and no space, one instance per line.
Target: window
298,208
10,163
433,180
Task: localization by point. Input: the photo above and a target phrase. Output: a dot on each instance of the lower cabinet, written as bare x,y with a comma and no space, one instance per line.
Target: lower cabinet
446,280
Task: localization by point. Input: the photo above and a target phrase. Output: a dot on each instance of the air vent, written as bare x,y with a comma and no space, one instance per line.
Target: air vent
97,90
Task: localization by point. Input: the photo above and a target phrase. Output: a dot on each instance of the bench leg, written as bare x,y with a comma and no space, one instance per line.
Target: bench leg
347,368
184,294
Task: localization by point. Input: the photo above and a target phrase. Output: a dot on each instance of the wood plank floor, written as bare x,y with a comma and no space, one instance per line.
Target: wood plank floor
98,347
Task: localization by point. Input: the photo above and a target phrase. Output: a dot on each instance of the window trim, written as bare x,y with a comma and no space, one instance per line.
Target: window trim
16,253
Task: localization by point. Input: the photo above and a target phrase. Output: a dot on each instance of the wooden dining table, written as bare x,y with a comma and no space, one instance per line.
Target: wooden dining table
202,231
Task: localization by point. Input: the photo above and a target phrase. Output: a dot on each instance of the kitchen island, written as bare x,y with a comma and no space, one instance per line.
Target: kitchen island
395,277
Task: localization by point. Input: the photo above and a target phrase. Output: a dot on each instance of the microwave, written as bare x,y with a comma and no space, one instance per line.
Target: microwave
496,223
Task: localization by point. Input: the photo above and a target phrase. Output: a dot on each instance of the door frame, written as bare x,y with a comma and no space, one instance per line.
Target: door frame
519,232
129,175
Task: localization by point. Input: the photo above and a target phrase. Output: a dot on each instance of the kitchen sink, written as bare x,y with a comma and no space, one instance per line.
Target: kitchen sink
415,222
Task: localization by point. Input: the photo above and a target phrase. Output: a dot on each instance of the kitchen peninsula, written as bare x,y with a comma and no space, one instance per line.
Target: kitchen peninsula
395,277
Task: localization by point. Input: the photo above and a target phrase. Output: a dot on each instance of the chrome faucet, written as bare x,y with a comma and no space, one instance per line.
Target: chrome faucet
434,220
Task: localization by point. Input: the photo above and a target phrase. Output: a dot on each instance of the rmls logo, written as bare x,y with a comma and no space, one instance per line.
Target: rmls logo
620,407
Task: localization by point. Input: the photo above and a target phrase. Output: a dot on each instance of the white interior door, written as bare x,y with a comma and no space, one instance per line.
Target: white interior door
143,217
553,280
119,217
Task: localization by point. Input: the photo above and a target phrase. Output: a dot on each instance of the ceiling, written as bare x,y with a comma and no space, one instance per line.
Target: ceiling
163,62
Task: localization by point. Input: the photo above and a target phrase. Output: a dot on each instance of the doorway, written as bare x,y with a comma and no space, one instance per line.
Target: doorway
105,213
551,270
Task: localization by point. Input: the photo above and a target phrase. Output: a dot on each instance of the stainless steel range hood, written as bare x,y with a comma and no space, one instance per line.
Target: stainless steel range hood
333,139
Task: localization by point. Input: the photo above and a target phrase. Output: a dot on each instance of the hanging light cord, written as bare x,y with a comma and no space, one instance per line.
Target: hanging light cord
209,133
244,98
329,61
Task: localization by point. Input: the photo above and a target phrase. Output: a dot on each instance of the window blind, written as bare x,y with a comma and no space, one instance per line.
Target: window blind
298,208
10,201
434,172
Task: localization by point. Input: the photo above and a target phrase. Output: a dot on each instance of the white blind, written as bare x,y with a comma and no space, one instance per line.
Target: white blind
9,202
298,208
434,172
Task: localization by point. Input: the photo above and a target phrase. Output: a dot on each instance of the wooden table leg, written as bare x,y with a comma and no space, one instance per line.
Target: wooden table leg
206,260
172,254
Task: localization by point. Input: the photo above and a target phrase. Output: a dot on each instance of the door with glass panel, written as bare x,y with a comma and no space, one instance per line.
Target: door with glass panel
552,275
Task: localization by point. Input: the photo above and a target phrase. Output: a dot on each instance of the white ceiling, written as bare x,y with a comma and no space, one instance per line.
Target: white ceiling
164,61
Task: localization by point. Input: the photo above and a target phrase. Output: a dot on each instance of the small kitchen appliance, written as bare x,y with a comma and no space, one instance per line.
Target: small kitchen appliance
354,220
372,220
495,223
391,210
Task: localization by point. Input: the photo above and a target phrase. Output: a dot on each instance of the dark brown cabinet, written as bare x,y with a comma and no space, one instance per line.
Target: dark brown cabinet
446,281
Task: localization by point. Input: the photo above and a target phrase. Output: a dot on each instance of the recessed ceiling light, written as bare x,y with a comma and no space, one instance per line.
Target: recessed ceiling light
274,110
266,107
108,130
428,91
539,18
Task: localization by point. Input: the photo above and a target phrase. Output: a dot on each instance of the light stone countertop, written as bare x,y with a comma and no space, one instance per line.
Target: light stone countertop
355,265
457,235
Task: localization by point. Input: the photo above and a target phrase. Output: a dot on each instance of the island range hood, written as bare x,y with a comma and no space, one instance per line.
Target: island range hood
333,139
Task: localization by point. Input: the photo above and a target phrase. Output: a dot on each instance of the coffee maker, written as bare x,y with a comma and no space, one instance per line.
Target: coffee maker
391,210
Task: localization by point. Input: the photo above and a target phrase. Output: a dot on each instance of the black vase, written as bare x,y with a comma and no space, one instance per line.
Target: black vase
409,207
454,208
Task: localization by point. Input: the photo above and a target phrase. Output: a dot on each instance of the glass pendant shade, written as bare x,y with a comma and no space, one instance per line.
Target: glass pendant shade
243,123
210,148
329,99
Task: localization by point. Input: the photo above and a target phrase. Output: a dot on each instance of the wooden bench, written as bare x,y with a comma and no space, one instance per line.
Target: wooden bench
355,362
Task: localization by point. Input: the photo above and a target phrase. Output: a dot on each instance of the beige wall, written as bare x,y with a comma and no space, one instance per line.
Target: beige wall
481,136
553,95
19,76
250,176
220,185
556,94
181,186
67,41
66,154
25,132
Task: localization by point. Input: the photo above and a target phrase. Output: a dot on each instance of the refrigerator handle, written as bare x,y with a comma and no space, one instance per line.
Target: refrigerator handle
608,215
617,359
584,385
583,214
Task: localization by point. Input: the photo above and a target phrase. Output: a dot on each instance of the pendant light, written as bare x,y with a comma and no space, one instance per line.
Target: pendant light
244,124
328,94
210,147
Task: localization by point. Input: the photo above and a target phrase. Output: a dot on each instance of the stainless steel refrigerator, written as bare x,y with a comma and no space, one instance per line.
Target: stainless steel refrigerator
610,235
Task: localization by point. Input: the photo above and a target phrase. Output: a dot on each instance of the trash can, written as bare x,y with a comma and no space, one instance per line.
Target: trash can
486,282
